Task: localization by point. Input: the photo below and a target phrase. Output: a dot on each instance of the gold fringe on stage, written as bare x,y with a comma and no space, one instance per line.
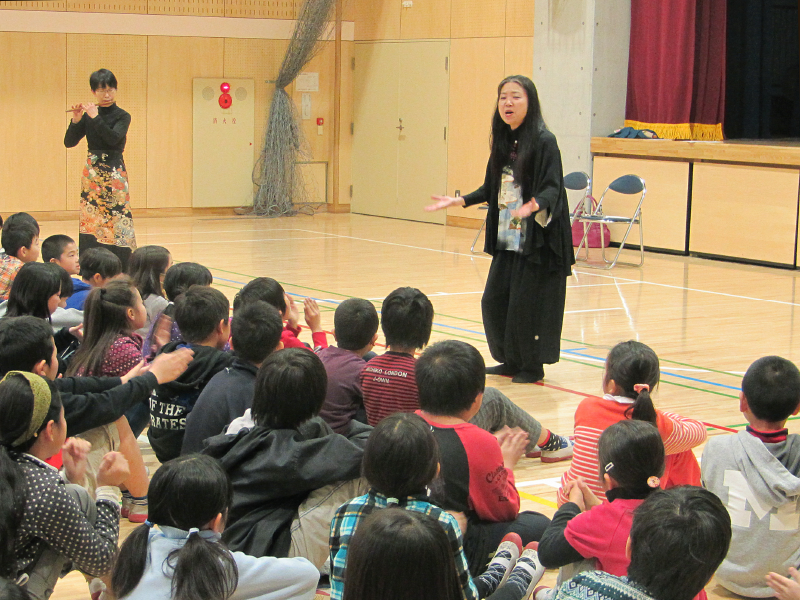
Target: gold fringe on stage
681,131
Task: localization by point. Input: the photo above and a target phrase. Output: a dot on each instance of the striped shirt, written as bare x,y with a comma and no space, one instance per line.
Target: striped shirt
594,415
388,385
349,515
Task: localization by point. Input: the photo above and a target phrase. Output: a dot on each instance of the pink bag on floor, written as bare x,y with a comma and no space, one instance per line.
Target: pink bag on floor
593,235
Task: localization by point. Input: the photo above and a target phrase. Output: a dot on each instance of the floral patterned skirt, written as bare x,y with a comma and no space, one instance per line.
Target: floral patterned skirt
105,202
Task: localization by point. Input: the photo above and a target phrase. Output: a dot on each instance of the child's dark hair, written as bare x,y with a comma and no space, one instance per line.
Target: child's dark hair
407,318
290,389
19,231
24,342
256,331
772,388
185,493
632,365
105,317
355,322
146,266
449,376
264,289
99,261
102,78
631,452
198,312
181,276
31,289
678,539
16,406
397,554
54,246
401,456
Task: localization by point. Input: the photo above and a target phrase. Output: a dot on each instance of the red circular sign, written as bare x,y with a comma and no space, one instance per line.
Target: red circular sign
225,100
225,87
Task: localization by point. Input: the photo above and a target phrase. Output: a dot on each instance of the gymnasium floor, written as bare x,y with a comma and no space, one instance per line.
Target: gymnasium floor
706,320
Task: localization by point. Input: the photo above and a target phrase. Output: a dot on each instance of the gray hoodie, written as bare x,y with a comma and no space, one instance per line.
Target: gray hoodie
758,484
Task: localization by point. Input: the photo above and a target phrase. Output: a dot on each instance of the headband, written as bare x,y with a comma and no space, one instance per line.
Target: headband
641,386
41,403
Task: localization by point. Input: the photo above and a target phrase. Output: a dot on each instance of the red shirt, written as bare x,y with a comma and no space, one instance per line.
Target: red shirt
388,386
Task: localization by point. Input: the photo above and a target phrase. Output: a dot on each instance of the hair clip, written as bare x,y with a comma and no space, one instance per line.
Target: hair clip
392,501
608,467
191,531
653,481
149,524
641,386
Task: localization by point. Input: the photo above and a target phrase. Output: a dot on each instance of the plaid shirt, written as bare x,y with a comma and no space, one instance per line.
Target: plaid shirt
9,266
349,515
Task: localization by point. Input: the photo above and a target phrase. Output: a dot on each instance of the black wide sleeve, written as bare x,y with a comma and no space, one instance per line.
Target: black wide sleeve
91,402
75,132
549,177
554,549
480,195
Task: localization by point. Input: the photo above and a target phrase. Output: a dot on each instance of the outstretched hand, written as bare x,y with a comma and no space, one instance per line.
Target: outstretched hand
785,588
444,202
526,210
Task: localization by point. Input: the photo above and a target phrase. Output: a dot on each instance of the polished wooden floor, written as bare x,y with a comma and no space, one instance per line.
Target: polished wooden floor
706,320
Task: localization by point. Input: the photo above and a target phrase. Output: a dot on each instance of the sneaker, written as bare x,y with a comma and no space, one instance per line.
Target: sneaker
543,593
528,569
125,510
563,453
507,553
535,453
137,512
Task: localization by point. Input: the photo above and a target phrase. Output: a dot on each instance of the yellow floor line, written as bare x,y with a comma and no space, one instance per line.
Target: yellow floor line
538,499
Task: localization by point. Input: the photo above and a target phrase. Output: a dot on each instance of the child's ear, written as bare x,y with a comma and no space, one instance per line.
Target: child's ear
333,333
278,347
40,368
374,339
96,280
744,406
131,313
217,524
608,482
628,548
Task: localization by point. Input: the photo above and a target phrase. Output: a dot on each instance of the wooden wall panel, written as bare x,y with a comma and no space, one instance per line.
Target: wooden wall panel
476,18
126,56
200,8
519,18
346,118
263,9
258,60
425,19
476,67
172,64
33,98
348,10
42,5
519,56
744,212
377,19
120,6
665,204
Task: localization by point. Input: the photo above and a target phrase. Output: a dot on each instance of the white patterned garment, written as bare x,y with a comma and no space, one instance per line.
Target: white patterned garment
510,232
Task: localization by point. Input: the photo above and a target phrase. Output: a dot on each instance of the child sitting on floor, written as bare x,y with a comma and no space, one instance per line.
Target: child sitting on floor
476,467
178,553
62,250
401,461
20,239
148,267
388,381
756,474
630,377
355,323
98,266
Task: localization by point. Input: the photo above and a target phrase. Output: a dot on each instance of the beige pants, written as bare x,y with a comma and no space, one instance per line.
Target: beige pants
311,529
103,439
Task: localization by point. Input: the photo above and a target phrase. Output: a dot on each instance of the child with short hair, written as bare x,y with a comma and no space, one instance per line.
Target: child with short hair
20,239
270,291
191,499
202,315
476,466
388,383
97,267
255,333
355,323
401,461
147,268
62,250
631,375
290,471
631,456
756,474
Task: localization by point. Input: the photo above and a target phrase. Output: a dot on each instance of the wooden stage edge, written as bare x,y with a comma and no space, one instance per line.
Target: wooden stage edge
751,152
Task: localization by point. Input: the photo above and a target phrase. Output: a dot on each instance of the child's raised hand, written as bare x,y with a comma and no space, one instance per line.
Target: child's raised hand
113,470
292,316
313,318
785,588
575,494
162,333
171,365
512,445
74,453
77,331
589,498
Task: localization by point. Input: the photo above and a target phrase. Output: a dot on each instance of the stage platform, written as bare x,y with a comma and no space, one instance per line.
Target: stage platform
734,200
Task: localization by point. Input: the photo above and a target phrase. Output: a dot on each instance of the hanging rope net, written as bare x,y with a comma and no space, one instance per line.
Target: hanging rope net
277,173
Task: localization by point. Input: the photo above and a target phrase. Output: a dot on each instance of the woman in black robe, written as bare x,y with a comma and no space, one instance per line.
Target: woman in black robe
527,233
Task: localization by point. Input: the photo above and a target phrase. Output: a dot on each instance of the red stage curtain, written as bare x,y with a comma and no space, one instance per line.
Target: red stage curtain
676,68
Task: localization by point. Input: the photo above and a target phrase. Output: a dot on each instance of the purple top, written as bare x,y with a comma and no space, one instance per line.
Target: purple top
344,391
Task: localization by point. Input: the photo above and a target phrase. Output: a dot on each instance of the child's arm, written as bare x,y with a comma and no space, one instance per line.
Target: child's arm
554,549
314,322
685,433
492,492
785,588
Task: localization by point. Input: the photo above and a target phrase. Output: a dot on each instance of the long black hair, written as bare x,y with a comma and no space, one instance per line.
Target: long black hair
146,267
16,406
526,135
185,493
632,364
105,318
33,286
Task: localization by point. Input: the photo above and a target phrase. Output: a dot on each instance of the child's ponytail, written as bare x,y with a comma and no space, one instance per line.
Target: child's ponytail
634,368
202,569
131,561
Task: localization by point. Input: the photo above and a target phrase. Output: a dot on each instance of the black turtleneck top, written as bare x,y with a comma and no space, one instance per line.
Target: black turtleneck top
105,133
